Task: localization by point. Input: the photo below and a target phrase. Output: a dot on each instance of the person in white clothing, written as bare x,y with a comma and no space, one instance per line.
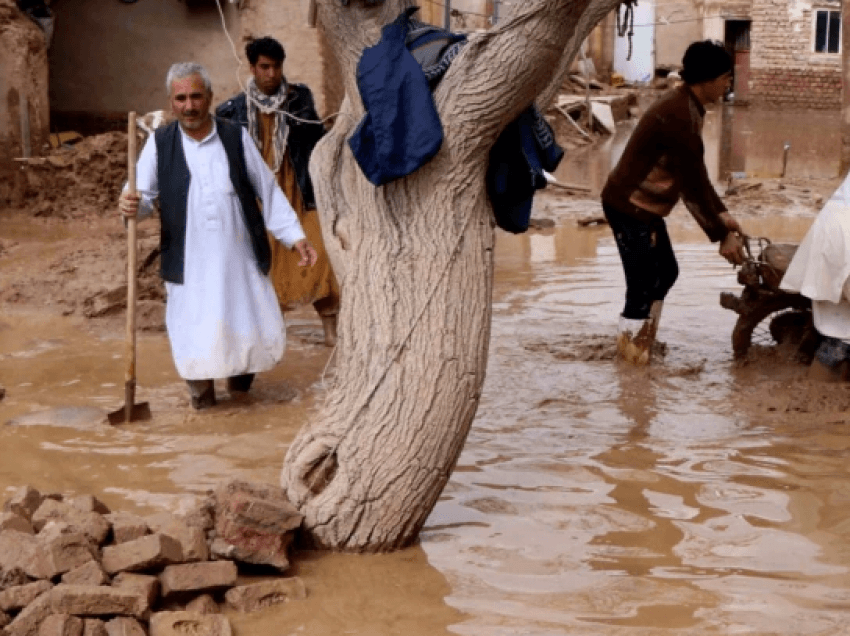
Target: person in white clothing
222,314
820,270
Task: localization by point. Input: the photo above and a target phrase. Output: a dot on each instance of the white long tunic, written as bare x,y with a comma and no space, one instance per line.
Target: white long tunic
224,320
820,269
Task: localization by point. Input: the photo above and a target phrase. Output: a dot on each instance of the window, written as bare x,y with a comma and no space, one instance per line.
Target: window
827,31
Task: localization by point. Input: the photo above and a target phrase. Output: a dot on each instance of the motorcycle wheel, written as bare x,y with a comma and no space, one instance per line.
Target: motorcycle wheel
755,326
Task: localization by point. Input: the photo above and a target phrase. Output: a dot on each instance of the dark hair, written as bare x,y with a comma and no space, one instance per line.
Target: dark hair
267,46
705,61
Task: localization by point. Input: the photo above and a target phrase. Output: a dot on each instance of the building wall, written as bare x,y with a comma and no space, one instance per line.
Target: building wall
23,83
108,58
784,70
684,24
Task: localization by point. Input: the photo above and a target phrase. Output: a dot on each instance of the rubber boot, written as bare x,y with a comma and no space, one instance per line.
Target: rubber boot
329,327
635,345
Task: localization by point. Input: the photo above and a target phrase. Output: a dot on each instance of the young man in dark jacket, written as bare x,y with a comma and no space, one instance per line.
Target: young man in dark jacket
662,162
282,120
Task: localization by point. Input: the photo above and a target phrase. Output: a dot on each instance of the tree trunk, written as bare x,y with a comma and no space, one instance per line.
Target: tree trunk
415,261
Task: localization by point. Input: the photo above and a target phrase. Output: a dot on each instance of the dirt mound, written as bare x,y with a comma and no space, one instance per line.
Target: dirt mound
75,181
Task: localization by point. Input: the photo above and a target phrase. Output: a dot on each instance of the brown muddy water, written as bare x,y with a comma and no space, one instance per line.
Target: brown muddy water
591,499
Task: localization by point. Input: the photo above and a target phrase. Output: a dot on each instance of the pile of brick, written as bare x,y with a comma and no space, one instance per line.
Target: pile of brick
71,567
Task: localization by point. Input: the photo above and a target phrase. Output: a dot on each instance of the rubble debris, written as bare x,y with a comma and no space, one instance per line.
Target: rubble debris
588,221
69,566
73,181
249,598
254,524
540,224
180,623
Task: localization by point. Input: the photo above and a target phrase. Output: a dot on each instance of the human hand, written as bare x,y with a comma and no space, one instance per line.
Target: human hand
730,223
732,248
307,253
128,205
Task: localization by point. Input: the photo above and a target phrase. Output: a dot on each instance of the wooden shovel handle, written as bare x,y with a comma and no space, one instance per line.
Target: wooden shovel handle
131,253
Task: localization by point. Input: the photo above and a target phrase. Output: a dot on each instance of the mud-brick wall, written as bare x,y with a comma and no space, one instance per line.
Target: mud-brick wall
110,57
23,84
784,69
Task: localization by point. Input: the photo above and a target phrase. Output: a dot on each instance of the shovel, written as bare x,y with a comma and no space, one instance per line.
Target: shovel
131,412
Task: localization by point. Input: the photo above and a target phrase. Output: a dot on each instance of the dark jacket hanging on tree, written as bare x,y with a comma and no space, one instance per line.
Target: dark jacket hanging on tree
402,131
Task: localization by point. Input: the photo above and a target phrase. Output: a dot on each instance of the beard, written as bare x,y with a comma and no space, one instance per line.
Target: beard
196,122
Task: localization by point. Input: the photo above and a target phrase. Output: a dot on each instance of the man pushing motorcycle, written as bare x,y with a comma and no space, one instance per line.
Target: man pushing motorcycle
662,162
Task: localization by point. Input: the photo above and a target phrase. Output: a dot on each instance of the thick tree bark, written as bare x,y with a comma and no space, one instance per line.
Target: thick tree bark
415,261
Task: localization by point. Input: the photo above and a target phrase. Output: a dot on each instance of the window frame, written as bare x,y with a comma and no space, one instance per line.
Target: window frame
828,11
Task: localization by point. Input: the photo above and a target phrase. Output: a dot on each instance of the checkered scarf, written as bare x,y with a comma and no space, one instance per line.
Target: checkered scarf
259,101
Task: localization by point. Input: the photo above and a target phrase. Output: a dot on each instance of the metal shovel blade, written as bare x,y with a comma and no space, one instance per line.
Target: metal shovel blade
130,412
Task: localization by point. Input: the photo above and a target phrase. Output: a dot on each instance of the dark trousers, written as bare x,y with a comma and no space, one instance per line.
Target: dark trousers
648,260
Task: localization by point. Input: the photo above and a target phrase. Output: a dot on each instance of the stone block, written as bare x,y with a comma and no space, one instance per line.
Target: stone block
61,625
257,520
154,550
203,604
92,524
249,598
87,574
23,551
17,598
102,600
201,514
192,540
94,627
24,502
66,552
127,526
124,626
193,578
14,521
159,520
12,578
27,622
88,503
182,623
144,585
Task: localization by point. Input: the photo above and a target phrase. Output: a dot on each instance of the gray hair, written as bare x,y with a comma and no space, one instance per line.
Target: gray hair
181,70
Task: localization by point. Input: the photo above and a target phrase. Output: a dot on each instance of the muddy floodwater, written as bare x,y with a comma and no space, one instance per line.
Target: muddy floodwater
591,499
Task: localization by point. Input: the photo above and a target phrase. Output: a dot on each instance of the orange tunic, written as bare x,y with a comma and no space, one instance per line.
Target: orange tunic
298,285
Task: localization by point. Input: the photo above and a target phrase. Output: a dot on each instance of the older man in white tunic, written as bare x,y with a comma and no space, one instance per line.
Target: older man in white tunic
820,270
222,315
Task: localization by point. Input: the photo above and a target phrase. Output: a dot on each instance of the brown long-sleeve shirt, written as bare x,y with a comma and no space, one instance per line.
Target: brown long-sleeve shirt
663,160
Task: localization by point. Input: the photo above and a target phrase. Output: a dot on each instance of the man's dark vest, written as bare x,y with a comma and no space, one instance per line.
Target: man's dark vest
173,177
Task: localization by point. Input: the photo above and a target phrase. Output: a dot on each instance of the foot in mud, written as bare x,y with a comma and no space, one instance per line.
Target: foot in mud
240,383
329,329
202,393
637,349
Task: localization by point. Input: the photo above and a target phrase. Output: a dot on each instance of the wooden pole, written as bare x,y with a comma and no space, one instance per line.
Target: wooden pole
587,86
130,376
26,144
844,163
